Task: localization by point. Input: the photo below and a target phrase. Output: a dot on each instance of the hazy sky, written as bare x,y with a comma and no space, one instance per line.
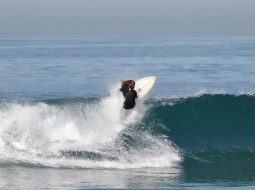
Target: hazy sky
77,18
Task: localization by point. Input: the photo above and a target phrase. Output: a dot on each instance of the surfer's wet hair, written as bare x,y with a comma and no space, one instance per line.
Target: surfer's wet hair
125,83
128,84
131,84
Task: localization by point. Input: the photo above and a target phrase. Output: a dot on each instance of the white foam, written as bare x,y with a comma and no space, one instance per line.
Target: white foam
39,133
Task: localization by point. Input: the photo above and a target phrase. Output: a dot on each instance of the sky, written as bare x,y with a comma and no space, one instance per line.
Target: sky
81,18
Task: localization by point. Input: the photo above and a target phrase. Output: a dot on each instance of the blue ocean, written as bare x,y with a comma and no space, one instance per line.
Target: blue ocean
62,125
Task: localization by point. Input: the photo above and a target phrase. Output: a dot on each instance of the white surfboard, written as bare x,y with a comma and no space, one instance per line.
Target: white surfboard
143,86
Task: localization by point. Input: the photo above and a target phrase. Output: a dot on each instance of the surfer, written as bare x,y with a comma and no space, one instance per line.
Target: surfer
127,88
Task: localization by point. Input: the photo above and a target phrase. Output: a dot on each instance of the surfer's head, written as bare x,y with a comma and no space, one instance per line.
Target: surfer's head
131,84
128,84
125,83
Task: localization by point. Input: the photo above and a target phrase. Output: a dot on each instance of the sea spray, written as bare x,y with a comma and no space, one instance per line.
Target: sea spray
96,133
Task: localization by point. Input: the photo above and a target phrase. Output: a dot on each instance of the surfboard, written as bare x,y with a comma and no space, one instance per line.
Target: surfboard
143,86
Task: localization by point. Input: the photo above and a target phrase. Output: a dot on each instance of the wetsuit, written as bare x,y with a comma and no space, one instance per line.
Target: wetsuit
129,102
124,90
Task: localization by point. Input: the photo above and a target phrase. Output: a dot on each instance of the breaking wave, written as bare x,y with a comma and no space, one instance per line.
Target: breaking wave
81,133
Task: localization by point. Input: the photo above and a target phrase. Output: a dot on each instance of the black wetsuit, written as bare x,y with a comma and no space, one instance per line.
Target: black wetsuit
129,102
124,90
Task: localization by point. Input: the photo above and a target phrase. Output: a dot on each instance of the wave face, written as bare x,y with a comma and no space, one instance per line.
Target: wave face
81,133
215,132
208,121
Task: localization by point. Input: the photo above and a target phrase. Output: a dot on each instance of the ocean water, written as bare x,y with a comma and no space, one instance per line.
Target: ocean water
62,125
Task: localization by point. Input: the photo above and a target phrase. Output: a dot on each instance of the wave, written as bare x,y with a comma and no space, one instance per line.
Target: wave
210,121
206,131
80,133
214,132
